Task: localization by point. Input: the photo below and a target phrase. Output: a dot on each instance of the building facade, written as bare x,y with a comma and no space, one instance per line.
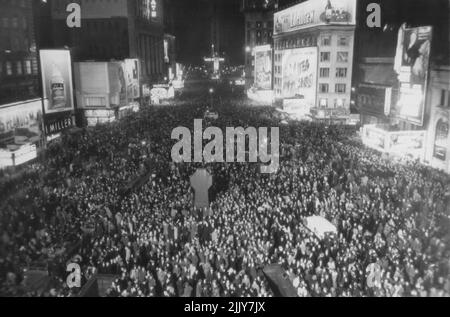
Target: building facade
314,53
115,30
437,151
258,30
374,92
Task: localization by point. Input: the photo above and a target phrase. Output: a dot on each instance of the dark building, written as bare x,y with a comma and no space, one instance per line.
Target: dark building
376,49
258,29
115,30
18,53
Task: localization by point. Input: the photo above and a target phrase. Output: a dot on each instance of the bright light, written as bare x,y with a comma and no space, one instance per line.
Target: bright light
211,90
248,49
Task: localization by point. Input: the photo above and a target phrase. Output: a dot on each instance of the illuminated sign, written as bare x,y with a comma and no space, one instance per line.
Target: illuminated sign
299,76
263,67
153,8
412,65
57,83
314,13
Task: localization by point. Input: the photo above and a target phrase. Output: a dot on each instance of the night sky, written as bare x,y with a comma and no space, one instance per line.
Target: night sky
193,20
193,27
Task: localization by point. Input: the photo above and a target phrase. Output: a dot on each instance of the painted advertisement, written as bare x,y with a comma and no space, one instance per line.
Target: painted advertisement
314,13
263,67
299,76
56,67
412,65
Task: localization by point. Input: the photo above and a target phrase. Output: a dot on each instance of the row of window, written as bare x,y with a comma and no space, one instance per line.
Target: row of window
325,57
15,22
16,68
259,25
339,88
338,103
311,40
341,72
341,57
323,88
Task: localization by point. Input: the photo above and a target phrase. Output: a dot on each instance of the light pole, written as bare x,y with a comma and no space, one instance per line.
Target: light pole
211,92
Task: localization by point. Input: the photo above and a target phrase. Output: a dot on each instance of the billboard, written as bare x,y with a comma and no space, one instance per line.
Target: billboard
412,65
56,69
26,116
132,79
314,13
407,143
299,74
263,67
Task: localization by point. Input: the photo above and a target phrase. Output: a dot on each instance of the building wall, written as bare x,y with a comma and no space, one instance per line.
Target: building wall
438,136
258,31
18,57
336,49
116,29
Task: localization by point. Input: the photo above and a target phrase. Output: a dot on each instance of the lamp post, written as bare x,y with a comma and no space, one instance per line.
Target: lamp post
211,92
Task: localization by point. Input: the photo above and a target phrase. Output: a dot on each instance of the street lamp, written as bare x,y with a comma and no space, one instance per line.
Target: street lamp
211,91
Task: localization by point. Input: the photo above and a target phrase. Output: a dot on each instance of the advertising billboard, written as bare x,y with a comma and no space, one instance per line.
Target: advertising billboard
314,13
412,65
26,116
299,74
407,143
132,79
263,67
56,68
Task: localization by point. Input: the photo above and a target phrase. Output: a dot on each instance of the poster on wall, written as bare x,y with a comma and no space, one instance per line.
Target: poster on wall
263,67
56,68
412,65
299,76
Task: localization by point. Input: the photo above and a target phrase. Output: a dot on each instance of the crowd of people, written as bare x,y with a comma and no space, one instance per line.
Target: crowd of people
80,204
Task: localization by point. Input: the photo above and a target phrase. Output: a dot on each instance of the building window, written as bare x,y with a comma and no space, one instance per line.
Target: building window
341,88
324,88
9,68
326,41
341,72
343,41
339,103
325,56
445,99
441,139
323,103
28,69
19,68
342,57
324,72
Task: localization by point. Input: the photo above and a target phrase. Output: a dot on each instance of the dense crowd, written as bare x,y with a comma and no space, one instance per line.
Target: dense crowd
79,204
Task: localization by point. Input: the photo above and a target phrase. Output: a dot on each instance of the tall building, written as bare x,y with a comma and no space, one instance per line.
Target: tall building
313,58
20,103
18,55
258,29
118,29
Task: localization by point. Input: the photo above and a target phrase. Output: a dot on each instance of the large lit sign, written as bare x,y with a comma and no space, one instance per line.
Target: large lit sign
315,12
56,66
299,76
263,67
153,8
412,65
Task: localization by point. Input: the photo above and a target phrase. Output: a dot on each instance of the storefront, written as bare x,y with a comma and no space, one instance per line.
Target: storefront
313,58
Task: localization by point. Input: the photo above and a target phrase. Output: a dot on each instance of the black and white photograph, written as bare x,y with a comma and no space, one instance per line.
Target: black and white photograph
246,150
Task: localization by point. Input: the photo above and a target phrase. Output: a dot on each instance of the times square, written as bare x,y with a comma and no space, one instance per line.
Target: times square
224,149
